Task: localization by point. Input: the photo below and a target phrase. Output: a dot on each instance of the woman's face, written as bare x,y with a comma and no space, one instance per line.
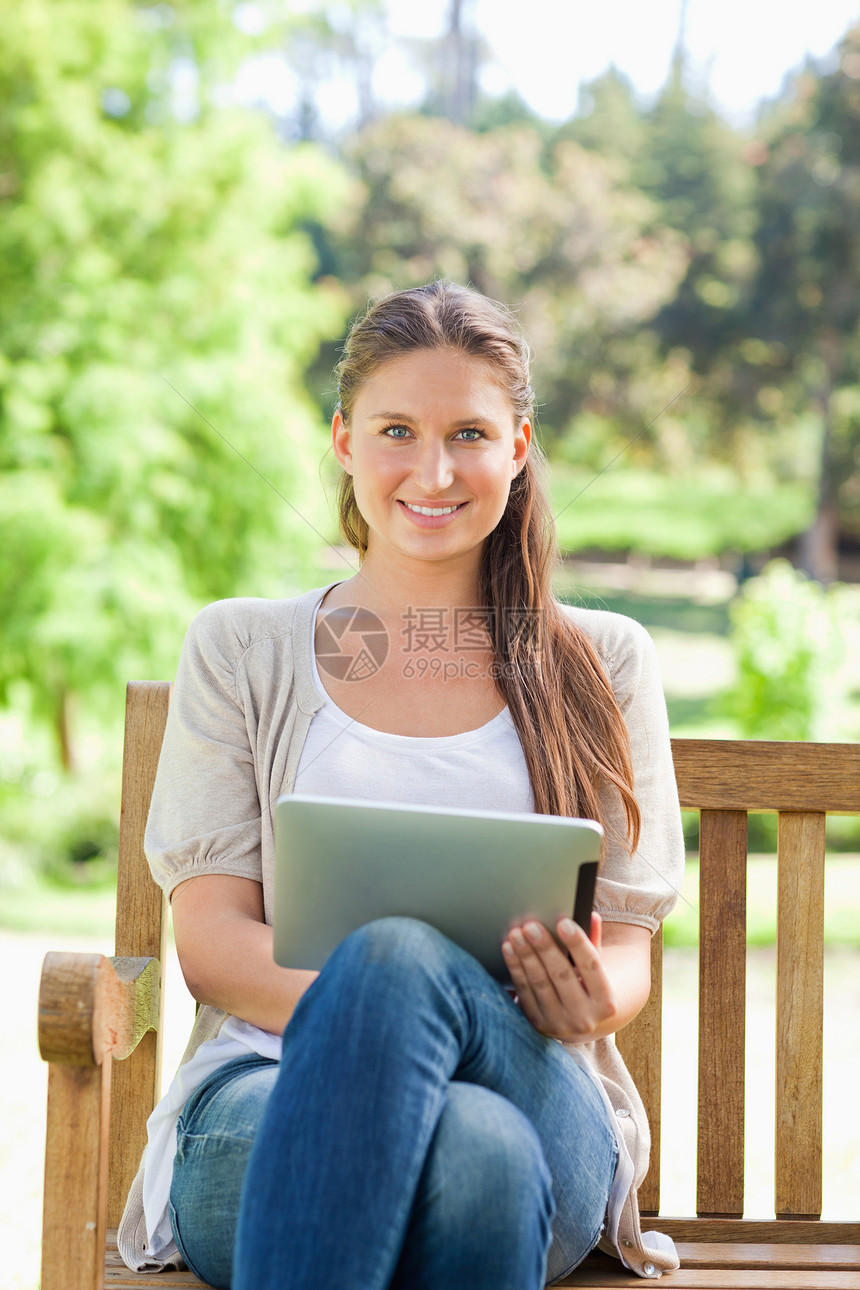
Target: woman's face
432,446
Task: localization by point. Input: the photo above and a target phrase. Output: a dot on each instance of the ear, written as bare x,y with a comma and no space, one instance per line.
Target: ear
522,440
341,441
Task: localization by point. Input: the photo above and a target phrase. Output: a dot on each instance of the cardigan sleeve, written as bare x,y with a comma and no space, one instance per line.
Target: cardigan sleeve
205,814
644,887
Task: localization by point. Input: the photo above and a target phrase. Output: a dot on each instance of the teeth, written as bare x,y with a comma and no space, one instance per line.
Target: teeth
432,510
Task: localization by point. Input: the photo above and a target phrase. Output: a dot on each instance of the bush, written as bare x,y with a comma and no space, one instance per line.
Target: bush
789,635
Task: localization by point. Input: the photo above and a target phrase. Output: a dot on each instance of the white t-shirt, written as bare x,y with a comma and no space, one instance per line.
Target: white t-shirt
343,758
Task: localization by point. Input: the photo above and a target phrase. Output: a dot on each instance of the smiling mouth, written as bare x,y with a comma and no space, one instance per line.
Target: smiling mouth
433,510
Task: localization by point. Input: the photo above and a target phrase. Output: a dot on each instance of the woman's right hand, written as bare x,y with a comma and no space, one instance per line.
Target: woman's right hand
225,951
589,988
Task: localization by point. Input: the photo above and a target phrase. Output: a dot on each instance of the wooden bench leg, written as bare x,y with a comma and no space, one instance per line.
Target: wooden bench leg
76,1160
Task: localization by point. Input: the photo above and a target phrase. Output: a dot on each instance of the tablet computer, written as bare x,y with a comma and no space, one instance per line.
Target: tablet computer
340,863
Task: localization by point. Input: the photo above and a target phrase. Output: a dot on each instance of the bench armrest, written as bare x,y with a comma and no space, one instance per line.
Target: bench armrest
91,1006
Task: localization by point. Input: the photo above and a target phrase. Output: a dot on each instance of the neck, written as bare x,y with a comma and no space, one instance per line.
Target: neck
388,586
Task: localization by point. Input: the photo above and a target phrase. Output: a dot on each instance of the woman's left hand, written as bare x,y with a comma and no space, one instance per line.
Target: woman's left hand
566,995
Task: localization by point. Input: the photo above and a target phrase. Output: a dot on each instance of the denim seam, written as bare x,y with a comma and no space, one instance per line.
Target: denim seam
174,1227
184,1136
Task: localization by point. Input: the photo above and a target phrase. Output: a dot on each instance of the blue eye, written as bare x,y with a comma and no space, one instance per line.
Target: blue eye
396,432
474,432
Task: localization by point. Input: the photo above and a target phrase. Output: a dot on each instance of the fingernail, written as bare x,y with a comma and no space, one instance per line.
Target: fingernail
508,950
534,930
568,926
518,939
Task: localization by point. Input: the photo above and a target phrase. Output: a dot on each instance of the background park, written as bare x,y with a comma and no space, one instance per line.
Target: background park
196,197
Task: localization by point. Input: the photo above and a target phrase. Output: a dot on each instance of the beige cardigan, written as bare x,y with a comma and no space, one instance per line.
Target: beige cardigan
242,704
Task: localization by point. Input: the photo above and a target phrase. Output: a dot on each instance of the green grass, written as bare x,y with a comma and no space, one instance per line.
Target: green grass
687,518
673,612
42,905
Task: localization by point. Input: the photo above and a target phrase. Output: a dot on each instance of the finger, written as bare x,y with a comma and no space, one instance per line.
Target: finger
551,994
586,958
525,998
552,963
549,975
528,975
526,949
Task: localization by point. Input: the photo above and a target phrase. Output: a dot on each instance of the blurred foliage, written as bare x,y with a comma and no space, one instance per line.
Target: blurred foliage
157,314
65,828
789,634
693,166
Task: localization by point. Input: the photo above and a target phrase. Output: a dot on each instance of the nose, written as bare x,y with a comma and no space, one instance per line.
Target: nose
434,470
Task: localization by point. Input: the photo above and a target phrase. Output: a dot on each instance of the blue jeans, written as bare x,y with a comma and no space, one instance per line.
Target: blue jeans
418,1134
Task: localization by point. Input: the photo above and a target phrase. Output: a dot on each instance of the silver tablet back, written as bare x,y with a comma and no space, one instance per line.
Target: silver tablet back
341,863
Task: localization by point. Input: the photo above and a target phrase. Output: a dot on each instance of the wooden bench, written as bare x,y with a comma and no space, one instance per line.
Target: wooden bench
98,1029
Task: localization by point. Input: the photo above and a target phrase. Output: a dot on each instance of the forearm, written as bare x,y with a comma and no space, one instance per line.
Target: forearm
225,951
630,981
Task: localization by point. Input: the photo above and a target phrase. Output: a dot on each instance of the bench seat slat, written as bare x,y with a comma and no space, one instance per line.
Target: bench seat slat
763,1231
730,1260
594,1277
768,1254
693,1254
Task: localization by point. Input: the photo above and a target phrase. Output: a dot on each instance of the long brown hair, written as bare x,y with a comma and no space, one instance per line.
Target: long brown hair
570,727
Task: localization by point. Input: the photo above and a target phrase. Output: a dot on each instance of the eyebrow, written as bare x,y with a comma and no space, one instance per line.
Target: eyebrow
405,417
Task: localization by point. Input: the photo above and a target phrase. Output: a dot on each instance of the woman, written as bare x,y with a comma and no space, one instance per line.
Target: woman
416,1126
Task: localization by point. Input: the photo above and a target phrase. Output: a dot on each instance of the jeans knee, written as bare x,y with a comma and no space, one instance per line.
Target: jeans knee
398,943
488,1157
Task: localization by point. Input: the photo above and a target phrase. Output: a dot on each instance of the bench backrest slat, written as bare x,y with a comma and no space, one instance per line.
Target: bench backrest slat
764,775
638,1043
722,1013
799,1014
140,933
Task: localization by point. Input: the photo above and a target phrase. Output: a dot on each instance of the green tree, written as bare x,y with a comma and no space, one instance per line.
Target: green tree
609,119
558,234
154,274
696,168
803,361
693,165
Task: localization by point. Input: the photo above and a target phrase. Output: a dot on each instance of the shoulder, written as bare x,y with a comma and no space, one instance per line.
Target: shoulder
243,620
230,634
619,640
624,647
238,624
